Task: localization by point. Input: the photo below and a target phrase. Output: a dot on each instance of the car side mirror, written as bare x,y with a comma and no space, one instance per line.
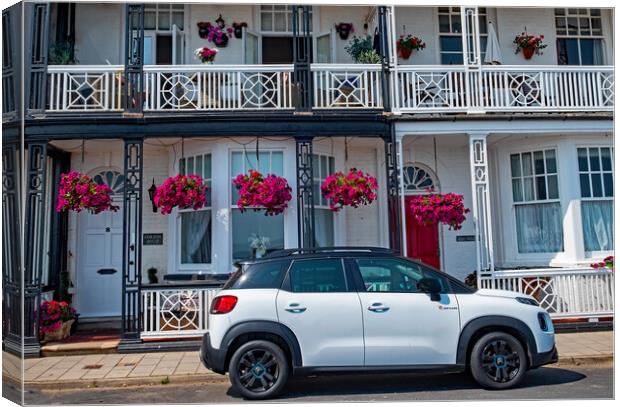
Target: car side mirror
430,286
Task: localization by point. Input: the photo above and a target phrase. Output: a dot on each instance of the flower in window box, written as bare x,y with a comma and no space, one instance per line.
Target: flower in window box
182,191
432,209
529,44
353,189
78,191
271,193
606,264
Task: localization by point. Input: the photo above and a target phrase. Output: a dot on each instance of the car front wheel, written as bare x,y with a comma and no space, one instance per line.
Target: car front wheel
259,370
498,361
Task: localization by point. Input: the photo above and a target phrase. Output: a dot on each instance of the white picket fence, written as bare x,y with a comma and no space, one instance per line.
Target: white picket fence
564,293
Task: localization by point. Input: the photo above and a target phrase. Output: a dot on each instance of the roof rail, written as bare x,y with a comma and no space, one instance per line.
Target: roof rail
288,252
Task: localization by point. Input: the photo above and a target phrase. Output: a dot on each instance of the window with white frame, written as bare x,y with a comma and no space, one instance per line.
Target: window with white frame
195,244
251,227
277,18
159,33
322,167
162,17
536,200
579,36
596,181
450,34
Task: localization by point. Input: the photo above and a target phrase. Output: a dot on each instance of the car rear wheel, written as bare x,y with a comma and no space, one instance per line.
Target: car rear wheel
259,370
498,361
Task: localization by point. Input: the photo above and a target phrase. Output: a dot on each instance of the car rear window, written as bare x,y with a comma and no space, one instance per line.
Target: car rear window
261,275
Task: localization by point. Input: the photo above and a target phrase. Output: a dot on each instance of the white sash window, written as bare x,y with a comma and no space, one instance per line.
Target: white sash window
322,167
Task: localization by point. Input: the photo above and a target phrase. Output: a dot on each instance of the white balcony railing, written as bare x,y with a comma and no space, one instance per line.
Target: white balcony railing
564,293
85,87
346,86
218,87
177,311
496,88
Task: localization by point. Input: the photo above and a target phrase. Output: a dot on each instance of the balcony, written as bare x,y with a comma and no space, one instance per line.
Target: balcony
419,89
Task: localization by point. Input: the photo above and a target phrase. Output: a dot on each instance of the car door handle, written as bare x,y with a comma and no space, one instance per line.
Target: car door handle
378,307
295,308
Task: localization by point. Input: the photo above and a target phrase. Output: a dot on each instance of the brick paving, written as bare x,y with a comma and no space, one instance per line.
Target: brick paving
115,369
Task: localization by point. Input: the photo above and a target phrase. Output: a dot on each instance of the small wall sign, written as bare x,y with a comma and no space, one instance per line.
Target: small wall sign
466,238
153,239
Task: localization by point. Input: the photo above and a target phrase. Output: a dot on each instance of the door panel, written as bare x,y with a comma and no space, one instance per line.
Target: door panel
403,326
325,47
422,240
251,44
325,317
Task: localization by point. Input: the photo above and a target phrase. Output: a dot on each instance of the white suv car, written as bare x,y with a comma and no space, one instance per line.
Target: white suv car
365,309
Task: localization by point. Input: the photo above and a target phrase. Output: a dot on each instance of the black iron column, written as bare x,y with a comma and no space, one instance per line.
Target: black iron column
9,71
33,250
302,58
393,198
132,240
305,195
133,87
384,53
11,239
36,59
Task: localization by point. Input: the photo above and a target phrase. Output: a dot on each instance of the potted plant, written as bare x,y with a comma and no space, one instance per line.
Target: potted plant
78,191
206,55
432,209
61,53
56,318
214,33
238,28
529,44
271,193
606,265
183,191
152,275
359,45
405,45
203,29
344,29
353,189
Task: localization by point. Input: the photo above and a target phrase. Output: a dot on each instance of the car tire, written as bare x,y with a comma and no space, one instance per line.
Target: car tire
259,370
498,361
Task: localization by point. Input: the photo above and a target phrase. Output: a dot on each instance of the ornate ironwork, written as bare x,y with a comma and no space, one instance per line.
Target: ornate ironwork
9,97
481,210
134,57
37,59
384,53
11,263
305,196
393,199
132,241
302,57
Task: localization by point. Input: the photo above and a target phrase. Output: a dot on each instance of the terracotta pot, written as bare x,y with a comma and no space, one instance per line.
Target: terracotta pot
528,53
53,336
405,53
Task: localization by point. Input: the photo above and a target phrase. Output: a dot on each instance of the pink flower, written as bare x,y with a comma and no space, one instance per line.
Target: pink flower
353,189
78,191
436,208
182,191
271,193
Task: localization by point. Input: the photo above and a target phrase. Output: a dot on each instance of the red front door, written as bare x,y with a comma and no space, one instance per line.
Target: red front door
422,240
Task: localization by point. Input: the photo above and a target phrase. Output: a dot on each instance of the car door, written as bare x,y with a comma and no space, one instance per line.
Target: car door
402,324
321,306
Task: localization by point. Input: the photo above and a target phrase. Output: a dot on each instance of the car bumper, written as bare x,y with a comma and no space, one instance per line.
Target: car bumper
213,359
545,358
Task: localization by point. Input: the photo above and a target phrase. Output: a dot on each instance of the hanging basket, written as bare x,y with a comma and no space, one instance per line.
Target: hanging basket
78,191
182,191
528,53
354,189
432,209
271,193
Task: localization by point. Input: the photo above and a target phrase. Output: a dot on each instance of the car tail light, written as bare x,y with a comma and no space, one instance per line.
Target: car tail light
223,304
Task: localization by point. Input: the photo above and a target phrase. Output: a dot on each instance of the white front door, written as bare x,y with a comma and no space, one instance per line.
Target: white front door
322,309
402,324
98,286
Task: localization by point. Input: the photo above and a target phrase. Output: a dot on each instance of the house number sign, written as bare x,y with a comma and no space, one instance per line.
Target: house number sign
153,239
466,238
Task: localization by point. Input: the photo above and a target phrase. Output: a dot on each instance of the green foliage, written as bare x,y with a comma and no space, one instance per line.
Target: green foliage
369,57
60,53
359,45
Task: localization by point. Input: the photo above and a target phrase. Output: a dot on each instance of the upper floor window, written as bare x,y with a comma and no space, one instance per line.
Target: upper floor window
161,17
579,36
253,233
322,167
596,184
535,195
195,226
451,31
277,18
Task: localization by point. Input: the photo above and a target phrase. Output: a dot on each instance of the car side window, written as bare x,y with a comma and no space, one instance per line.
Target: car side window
396,276
261,275
317,276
